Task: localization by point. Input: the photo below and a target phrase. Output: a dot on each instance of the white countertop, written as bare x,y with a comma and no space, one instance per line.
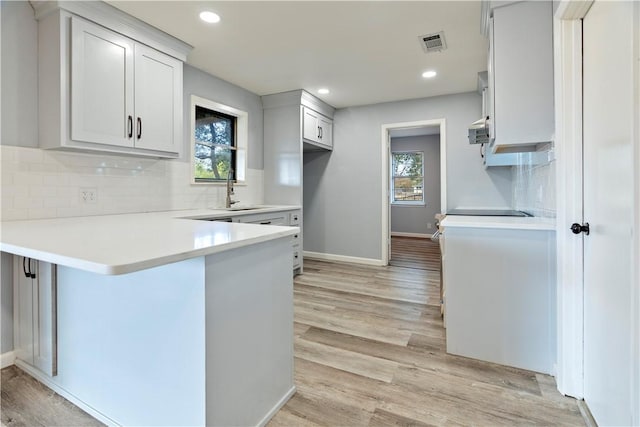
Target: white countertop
118,244
503,222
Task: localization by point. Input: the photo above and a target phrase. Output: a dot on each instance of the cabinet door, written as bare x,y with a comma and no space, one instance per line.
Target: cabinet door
326,131
490,94
35,325
23,314
45,303
523,75
158,100
101,85
310,125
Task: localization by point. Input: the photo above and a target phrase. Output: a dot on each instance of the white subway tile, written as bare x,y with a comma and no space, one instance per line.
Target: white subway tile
22,202
14,214
30,155
42,213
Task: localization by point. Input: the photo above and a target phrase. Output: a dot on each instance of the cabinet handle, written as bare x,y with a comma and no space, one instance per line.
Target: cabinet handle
130,126
139,120
482,150
265,223
28,272
24,267
319,134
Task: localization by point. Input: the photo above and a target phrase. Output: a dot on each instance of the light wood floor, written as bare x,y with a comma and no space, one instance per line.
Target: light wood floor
370,350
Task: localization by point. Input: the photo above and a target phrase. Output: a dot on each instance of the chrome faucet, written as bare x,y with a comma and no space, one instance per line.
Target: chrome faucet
230,189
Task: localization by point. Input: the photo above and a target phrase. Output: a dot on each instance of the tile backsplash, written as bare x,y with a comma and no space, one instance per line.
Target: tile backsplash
534,188
40,183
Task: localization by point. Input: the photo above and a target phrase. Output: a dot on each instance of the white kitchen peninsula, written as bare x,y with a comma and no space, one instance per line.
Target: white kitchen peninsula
499,278
162,320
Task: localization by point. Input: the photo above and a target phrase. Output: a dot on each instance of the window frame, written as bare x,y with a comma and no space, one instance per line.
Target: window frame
238,155
392,175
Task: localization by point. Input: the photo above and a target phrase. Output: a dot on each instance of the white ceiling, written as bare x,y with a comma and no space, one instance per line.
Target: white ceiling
365,52
415,131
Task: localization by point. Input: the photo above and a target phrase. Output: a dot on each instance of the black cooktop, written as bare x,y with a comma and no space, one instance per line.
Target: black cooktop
487,212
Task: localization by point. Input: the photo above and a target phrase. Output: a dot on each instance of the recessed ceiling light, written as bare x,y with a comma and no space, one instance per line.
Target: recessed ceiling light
323,91
210,17
429,74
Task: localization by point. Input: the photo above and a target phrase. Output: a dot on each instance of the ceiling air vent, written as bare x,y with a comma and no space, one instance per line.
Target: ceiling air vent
433,42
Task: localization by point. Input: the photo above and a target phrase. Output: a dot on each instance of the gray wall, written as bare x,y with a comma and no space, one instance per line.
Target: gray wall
343,190
19,75
412,218
204,85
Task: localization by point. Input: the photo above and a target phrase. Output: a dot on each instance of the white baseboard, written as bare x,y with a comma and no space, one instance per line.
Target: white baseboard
341,258
263,422
46,380
403,234
7,359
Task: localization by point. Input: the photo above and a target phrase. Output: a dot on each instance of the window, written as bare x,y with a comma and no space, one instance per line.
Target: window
219,141
407,179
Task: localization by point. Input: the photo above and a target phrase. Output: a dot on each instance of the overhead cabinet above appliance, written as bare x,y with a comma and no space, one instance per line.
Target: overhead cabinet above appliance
521,113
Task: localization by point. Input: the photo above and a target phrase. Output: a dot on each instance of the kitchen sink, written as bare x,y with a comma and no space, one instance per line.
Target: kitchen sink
243,208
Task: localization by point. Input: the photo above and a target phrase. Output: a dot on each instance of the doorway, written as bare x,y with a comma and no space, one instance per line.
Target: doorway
413,131
598,126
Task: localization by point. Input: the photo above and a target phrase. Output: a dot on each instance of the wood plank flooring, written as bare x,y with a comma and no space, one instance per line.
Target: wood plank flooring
27,402
369,350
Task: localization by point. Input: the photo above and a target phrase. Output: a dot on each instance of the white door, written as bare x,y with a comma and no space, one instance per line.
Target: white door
158,89
608,208
101,85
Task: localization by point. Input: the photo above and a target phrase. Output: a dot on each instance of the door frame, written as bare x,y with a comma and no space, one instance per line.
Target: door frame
570,292
386,183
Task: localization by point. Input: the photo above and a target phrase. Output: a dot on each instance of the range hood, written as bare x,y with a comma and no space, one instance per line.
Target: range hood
479,132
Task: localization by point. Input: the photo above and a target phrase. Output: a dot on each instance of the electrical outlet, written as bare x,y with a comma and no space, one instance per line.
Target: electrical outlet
88,195
429,225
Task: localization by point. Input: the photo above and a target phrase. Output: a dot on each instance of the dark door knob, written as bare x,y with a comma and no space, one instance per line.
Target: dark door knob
577,228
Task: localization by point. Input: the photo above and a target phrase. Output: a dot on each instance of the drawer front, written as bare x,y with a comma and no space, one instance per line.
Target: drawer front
294,218
275,219
296,239
297,257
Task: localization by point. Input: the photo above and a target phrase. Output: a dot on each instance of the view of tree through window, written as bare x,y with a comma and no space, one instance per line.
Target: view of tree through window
215,147
407,180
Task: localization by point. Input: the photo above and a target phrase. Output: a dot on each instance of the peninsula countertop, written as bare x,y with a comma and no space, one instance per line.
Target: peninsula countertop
499,222
118,244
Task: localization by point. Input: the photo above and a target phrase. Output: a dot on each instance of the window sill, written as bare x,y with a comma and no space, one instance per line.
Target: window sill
221,183
410,205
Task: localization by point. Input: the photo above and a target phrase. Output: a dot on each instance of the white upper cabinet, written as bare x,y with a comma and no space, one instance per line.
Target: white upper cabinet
107,82
158,100
316,128
521,76
101,85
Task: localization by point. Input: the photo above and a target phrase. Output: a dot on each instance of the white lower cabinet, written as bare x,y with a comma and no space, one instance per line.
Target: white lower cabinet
500,295
286,218
35,322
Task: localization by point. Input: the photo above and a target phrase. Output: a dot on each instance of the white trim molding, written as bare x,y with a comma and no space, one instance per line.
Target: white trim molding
45,379
568,147
263,422
7,359
416,235
385,155
342,258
